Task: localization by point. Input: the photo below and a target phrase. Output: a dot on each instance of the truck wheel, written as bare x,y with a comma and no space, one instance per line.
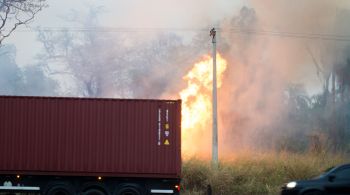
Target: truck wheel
128,190
94,192
59,190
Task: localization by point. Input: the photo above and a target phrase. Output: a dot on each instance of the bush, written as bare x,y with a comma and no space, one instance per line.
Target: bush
253,173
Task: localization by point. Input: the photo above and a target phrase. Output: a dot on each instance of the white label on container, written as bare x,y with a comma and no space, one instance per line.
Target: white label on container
159,125
167,115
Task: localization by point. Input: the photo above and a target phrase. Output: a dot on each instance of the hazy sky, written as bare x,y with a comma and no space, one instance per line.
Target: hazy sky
124,14
276,15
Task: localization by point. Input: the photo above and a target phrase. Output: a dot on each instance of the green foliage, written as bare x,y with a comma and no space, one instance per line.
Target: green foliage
253,173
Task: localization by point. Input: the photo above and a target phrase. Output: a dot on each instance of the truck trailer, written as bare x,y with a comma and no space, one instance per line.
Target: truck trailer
102,146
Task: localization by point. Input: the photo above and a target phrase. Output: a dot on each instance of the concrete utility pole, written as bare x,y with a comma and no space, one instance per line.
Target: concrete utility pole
215,156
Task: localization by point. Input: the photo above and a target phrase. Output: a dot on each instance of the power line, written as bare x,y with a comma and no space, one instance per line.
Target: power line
111,29
320,36
283,34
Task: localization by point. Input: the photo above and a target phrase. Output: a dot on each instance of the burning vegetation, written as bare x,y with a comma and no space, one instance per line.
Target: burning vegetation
197,106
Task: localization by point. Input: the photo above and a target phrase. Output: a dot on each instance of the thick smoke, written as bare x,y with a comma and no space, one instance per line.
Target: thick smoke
267,70
277,61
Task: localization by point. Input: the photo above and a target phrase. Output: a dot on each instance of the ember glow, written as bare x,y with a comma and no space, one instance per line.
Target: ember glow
197,106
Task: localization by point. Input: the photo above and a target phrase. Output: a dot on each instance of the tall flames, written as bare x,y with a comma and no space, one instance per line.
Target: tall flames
197,106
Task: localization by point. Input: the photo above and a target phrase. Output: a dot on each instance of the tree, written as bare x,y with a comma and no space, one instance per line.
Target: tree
101,65
14,13
27,80
330,108
113,64
10,77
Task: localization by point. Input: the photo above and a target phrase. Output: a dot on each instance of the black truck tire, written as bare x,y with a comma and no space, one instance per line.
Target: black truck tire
128,190
94,192
59,189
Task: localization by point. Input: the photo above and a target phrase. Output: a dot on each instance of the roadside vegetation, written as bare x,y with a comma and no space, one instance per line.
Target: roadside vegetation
254,173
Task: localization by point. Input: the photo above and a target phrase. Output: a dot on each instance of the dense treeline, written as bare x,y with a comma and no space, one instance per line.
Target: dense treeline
321,122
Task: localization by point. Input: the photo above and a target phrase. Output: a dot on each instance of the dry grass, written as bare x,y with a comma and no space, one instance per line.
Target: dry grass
253,173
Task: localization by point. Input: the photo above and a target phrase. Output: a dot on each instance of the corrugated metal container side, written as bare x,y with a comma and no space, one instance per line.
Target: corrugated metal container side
86,136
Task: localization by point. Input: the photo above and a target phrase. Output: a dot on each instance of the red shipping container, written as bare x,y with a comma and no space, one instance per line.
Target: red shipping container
87,136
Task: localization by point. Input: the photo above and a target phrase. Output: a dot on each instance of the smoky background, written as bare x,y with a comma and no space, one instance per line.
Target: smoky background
286,86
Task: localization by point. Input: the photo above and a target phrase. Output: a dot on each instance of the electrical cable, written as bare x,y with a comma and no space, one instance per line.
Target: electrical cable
319,36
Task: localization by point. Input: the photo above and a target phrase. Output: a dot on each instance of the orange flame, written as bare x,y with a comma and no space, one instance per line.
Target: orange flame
197,106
